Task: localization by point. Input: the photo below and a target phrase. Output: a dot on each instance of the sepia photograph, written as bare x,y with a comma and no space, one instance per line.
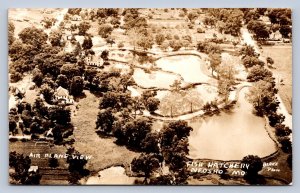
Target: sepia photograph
150,96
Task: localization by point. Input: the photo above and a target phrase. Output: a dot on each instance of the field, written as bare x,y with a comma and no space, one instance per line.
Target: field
104,150
282,71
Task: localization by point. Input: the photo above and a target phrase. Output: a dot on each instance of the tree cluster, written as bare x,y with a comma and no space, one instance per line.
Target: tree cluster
21,165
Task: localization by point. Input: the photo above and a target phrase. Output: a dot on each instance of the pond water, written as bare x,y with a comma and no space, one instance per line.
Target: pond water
154,79
191,68
112,175
230,136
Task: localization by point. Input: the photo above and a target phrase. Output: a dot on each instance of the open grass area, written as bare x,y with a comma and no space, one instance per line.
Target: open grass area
104,151
282,56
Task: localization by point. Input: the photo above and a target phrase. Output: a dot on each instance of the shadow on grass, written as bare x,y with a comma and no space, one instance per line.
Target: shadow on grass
81,96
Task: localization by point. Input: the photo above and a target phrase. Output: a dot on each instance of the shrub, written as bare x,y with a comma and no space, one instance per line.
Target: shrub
120,45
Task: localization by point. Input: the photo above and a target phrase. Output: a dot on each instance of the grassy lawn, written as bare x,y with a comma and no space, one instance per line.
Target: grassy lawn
282,56
104,151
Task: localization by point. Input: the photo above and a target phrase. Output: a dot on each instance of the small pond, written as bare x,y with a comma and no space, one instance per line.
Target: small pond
112,175
191,68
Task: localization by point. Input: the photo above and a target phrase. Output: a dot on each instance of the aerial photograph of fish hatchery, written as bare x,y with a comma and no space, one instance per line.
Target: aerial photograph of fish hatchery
150,96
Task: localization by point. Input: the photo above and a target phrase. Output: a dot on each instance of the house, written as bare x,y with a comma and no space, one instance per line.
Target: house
76,18
62,96
95,61
33,169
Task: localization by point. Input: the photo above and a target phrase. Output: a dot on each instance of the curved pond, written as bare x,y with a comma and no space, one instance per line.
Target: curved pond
230,136
191,68
157,79
112,175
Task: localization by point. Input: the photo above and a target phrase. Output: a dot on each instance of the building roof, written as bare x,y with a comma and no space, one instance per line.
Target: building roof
33,169
60,91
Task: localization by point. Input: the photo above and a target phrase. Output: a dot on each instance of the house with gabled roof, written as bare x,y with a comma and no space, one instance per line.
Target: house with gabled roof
93,60
62,96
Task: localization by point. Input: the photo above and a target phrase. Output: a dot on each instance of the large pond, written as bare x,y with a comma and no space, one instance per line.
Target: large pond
191,68
230,136
112,175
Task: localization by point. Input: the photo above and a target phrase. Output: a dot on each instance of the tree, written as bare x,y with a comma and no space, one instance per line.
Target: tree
63,81
33,36
53,162
180,129
21,165
70,70
152,104
259,29
104,54
105,121
145,42
134,36
282,131
73,28
248,50
255,165
47,92
286,144
215,61
250,61
146,163
164,46
175,44
83,27
87,43
74,11
192,16
135,131
105,30
37,77
210,21
257,73
12,124
11,33
48,22
110,40
126,80
262,96
76,165
285,31
270,61
76,86
151,143
159,38
55,38
57,135
60,115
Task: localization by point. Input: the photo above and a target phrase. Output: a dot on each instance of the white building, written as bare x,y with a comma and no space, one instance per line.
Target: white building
95,61
62,96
